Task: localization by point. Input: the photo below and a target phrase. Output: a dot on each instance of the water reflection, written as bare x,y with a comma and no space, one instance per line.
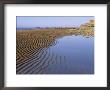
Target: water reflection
79,55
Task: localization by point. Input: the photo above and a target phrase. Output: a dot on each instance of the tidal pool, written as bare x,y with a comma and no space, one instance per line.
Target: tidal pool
75,55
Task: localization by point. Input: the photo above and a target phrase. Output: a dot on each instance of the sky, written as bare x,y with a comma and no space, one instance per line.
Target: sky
51,21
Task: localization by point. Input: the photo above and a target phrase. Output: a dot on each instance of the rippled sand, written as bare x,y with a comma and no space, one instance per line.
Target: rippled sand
32,49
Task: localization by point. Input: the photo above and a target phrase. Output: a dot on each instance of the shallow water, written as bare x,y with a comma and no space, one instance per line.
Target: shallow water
77,55
67,55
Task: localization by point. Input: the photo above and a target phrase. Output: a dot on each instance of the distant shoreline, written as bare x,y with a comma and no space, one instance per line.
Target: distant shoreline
42,28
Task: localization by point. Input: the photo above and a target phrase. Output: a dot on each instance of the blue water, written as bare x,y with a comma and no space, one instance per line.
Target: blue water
75,55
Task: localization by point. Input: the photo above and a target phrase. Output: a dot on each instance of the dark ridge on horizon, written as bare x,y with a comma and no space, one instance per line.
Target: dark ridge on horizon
33,28
24,28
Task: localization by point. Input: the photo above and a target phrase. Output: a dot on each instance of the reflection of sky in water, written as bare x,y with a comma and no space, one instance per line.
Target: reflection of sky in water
79,53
